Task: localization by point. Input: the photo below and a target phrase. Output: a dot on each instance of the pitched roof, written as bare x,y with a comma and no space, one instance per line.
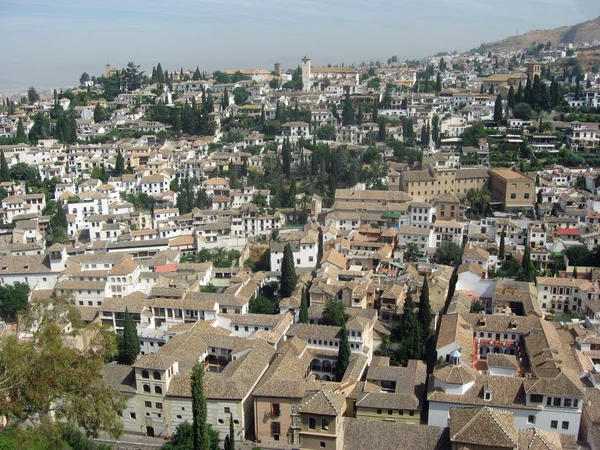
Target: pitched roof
483,427
322,403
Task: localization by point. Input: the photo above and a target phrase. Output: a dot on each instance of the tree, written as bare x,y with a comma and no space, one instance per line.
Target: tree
343,354
21,138
348,110
288,272
412,252
199,413
448,253
44,375
498,109
84,78
13,299
32,95
438,83
575,272
119,164
100,114
303,315
326,133
240,95
184,438
523,111
129,347
132,77
408,334
231,433
382,131
501,249
424,314
4,171
334,313
511,97
261,305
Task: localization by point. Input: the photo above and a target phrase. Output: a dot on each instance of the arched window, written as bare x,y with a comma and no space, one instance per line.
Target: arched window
147,388
312,423
156,375
157,390
324,424
145,374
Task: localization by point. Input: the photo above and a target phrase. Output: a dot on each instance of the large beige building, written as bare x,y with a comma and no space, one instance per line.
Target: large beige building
425,185
513,188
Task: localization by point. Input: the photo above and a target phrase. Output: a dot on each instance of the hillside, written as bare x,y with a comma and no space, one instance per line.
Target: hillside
582,32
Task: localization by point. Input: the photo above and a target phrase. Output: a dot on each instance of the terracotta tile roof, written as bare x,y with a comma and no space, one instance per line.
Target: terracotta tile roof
483,427
323,403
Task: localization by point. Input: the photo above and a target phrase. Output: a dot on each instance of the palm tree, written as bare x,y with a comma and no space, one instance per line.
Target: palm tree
472,198
269,163
304,201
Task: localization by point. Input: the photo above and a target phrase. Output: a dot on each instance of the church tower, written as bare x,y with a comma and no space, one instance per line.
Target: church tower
306,73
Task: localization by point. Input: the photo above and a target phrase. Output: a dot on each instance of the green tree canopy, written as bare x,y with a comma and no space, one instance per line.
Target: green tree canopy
261,305
129,347
343,354
334,313
288,272
201,433
448,253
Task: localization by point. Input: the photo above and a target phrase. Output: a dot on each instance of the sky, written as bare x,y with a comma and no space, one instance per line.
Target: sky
49,43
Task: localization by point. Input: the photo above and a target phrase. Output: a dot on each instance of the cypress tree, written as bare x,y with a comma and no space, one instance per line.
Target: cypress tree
130,345
4,171
231,433
196,75
288,272
498,109
438,83
577,89
160,76
359,114
575,272
21,132
343,354
201,432
227,443
348,110
120,163
520,96
303,317
375,115
539,198
424,315
381,135
501,249
527,97
410,334
511,97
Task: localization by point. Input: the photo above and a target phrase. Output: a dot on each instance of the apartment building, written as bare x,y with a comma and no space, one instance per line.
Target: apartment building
514,189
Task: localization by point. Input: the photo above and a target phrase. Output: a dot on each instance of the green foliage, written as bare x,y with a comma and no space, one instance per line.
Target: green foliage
343,354
240,95
334,313
579,255
47,436
473,134
24,172
184,438
288,272
408,334
412,252
201,434
130,344
424,314
523,111
326,133
508,268
45,374
21,132
4,170
13,299
303,315
32,95
261,305
448,253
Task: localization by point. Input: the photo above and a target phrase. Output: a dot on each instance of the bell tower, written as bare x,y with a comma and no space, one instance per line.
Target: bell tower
306,73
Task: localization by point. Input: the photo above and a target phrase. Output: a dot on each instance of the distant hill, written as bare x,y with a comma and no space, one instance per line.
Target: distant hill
582,32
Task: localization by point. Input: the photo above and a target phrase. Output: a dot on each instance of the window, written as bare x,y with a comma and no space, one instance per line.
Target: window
221,421
275,409
236,328
575,403
390,412
549,401
525,195
487,396
179,416
411,413
557,401
565,425
275,428
312,424
513,196
148,404
567,402
157,390
536,398
156,375
554,424
132,415
378,411
158,405
531,419
227,410
147,388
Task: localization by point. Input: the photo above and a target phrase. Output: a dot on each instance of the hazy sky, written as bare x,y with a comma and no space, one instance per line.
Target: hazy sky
49,43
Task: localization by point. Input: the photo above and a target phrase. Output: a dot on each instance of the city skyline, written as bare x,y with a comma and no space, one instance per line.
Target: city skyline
67,38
